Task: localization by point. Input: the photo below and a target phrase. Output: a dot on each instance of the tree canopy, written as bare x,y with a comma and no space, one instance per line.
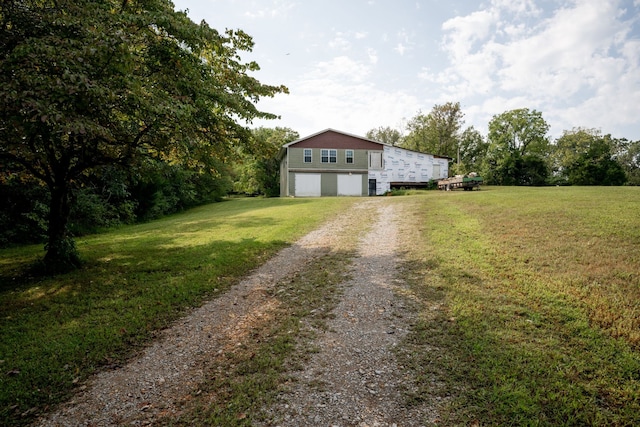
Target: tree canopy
258,170
518,146
436,132
585,157
385,134
86,84
473,148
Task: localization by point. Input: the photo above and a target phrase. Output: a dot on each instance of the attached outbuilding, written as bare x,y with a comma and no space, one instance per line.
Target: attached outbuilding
334,163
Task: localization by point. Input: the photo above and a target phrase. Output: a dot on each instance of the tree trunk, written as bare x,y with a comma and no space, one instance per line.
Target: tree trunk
61,253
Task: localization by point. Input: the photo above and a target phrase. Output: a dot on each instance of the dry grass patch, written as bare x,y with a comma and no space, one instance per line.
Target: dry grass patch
540,296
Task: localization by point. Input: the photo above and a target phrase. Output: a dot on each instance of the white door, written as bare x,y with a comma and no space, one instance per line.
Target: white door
349,185
307,185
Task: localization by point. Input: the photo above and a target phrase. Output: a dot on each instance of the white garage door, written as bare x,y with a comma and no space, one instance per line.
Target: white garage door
349,185
307,185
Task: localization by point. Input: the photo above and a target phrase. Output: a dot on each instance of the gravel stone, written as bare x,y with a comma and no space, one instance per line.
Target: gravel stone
361,381
353,380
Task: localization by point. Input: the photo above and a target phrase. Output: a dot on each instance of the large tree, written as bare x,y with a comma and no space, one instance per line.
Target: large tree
627,153
258,169
385,134
473,148
88,83
586,157
518,147
436,132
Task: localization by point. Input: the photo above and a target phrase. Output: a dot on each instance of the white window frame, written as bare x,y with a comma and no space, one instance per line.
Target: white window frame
310,156
328,156
349,156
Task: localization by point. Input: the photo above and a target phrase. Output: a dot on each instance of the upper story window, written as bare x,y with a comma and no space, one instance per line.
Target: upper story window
329,156
375,160
307,155
349,156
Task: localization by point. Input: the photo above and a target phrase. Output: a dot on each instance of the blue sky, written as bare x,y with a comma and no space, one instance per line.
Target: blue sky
354,65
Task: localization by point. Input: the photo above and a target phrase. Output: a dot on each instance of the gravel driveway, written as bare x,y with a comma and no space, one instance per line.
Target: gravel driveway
353,380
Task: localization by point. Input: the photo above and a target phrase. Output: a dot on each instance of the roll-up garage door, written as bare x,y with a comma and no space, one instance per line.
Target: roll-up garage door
307,185
349,185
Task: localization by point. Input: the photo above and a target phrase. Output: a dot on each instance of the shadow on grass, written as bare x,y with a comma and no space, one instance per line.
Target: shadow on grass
56,331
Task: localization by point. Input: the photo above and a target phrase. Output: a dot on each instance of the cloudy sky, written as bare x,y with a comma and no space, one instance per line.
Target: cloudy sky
354,65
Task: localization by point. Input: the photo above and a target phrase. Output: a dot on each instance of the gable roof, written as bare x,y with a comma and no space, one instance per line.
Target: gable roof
334,131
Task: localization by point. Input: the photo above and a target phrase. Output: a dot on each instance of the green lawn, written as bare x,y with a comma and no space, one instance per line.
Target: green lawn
530,304
532,298
56,332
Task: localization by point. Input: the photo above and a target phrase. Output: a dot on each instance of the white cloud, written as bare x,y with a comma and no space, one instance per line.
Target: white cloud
372,54
336,94
278,8
576,64
464,31
400,48
340,42
520,8
341,67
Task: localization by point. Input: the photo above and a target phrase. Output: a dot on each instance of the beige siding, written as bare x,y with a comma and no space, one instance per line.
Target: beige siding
296,160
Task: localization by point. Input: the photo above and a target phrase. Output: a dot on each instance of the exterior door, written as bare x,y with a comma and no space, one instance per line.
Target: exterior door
436,171
372,187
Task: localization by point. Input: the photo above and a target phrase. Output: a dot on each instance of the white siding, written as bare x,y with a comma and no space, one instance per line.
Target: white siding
402,165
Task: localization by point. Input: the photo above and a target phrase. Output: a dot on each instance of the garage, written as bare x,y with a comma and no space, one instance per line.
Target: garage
349,185
308,184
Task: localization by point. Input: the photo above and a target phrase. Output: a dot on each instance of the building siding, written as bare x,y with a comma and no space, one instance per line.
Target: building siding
385,164
401,166
296,160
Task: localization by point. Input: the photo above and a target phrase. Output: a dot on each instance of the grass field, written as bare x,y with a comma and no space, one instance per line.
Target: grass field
56,332
532,298
530,303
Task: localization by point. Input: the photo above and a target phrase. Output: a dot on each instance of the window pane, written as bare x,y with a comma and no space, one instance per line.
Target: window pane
325,156
349,156
307,155
333,156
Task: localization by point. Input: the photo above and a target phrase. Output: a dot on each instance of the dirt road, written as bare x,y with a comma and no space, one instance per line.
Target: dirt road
354,378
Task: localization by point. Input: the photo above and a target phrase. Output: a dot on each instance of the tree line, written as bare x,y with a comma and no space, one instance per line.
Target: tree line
517,149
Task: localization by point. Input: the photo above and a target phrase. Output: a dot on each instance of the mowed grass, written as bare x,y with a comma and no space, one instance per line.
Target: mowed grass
55,332
531,305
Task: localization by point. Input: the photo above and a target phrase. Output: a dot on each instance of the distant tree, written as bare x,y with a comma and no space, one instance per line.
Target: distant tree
437,132
86,84
473,148
628,156
518,147
419,134
568,148
586,157
386,135
258,170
